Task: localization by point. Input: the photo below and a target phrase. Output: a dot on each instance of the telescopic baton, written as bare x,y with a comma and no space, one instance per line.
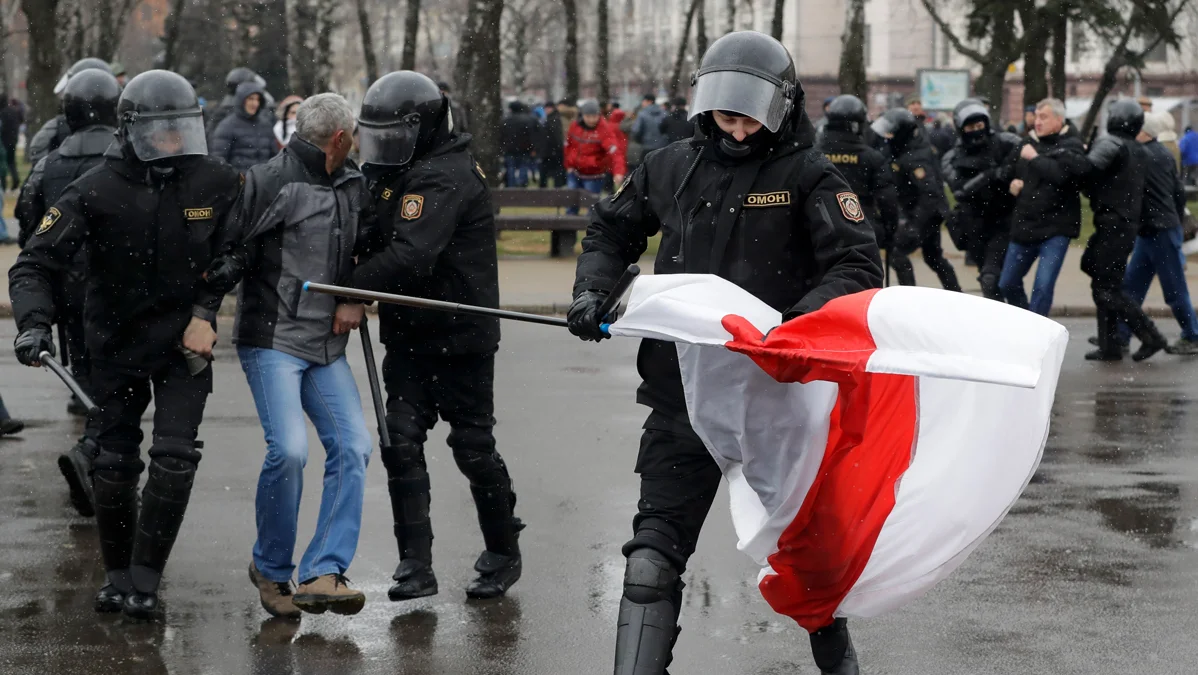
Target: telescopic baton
55,367
376,393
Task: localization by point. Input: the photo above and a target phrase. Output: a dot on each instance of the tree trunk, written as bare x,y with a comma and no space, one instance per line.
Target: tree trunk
776,26
701,32
990,84
485,89
45,62
77,30
572,79
110,18
411,29
1060,37
372,64
603,75
170,35
326,18
852,51
1036,29
676,78
1105,85
730,16
463,70
270,55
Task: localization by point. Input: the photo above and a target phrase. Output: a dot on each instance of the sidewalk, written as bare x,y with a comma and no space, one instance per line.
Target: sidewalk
542,285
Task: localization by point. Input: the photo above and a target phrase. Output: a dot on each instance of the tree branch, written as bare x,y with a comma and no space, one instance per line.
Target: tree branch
947,31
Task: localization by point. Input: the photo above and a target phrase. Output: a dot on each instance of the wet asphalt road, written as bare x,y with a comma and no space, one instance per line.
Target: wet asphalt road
1094,572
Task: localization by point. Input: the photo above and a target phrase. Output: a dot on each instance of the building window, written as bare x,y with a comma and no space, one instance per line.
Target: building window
868,46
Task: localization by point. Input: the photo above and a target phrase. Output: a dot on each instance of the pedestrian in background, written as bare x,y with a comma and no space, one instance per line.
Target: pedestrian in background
518,134
592,156
676,126
12,116
245,138
1188,145
647,129
285,122
552,150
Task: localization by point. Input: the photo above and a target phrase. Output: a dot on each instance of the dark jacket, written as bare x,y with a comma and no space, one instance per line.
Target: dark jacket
149,238
920,186
1116,182
519,132
245,140
806,244
676,126
977,178
1049,205
296,224
646,130
47,139
552,138
47,181
1164,193
438,228
217,114
12,116
869,174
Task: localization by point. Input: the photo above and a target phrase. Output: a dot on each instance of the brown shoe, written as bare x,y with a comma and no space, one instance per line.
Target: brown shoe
277,598
329,592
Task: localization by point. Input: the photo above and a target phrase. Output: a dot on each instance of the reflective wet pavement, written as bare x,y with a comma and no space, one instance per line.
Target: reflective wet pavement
1094,572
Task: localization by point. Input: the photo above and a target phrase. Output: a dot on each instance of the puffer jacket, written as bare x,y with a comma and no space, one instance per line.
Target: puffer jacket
593,152
245,140
647,128
298,224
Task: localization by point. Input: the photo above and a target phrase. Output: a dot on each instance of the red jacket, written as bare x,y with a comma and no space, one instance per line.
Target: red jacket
594,152
614,120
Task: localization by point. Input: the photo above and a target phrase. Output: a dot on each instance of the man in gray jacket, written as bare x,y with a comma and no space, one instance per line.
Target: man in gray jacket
647,128
299,218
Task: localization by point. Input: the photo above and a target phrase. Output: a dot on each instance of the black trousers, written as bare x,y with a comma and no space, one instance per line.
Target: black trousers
552,167
13,177
179,400
933,256
989,249
679,480
1105,261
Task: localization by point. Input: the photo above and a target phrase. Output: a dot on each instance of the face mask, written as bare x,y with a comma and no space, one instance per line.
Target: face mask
975,138
729,146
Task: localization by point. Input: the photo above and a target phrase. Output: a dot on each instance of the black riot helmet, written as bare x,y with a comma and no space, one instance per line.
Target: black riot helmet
90,98
78,67
1125,118
749,73
969,114
899,127
848,113
402,115
160,117
239,75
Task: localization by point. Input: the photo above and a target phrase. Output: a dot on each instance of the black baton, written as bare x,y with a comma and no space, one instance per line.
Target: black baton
48,361
609,306
425,303
376,393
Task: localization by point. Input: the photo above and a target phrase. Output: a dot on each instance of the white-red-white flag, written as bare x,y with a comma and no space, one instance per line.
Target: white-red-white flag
869,446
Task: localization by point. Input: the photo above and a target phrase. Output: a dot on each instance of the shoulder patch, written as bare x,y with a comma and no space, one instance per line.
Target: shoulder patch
48,220
850,206
762,200
387,192
919,173
894,167
411,207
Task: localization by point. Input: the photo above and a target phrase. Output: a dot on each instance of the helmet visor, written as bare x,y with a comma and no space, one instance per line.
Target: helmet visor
61,85
392,145
162,137
883,126
742,93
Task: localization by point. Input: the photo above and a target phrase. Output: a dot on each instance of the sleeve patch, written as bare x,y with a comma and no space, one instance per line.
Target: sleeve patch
919,173
48,221
850,206
411,207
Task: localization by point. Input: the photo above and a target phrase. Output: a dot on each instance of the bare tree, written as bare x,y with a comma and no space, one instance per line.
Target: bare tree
45,62
991,23
1060,38
485,88
701,32
372,64
468,47
111,17
602,62
1037,27
776,26
852,51
411,28
730,16
571,55
170,34
676,78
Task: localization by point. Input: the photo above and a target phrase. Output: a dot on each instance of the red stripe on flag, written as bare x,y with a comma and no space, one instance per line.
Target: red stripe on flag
870,443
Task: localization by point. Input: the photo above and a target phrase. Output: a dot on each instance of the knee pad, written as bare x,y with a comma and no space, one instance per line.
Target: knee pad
403,456
650,577
478,440
176,447
118,463
484,469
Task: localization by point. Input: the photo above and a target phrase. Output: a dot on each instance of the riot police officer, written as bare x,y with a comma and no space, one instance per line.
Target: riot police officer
1116,191
812,243
975,172
151,218
55,130
434,209
89,109
921,196
867,170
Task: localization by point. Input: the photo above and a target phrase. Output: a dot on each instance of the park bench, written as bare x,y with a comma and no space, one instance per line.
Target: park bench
561,226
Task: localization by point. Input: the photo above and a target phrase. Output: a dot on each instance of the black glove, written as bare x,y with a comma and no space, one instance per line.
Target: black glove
30,344
584,318
224,273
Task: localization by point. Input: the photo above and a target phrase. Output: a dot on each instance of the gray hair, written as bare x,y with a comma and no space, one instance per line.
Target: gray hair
320,117
1056,104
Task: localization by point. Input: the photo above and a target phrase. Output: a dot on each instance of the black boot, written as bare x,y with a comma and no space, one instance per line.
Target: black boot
76,467
1108,338
833,650
410,498
116,521
164,501
500,565
1151,341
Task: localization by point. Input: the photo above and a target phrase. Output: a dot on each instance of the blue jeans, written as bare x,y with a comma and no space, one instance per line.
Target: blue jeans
284,388
3,225
592,185
1160,255
518,169
1019,262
